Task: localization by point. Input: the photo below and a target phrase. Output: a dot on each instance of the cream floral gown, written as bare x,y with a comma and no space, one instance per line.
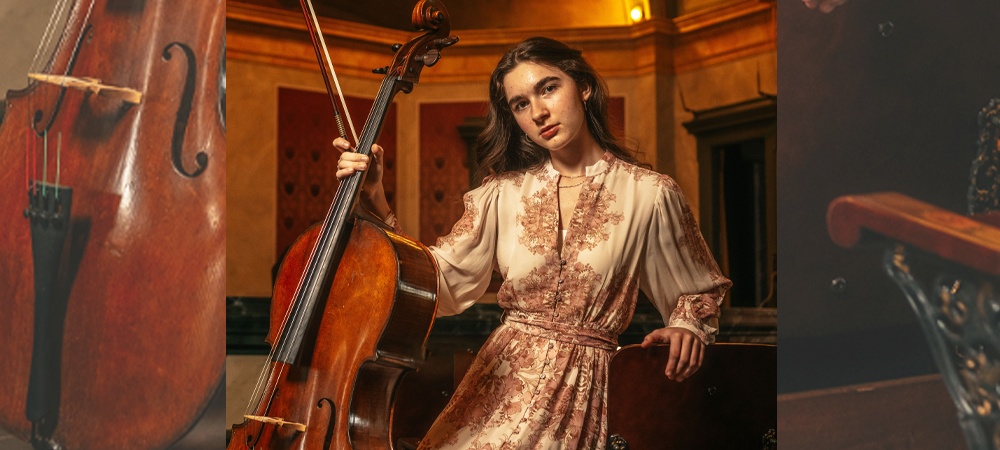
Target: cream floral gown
540,380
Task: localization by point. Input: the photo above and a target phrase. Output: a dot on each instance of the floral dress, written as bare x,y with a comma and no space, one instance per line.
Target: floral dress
540,380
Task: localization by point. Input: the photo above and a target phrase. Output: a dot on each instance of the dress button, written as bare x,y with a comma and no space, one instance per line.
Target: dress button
560,281
557,314
562,262
546,362
551,345
542,377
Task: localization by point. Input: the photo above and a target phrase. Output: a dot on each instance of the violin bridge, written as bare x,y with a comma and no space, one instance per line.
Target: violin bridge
277,421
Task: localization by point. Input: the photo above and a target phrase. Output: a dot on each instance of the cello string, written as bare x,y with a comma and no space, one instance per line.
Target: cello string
321,246
86,18
33,138
34,159
334,223
45,162
329,63
260,386
58,158
27,160
49,32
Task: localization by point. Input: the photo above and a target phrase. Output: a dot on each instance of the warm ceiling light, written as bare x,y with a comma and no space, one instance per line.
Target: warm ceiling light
636,13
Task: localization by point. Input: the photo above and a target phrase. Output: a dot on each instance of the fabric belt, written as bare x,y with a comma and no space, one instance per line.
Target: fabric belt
562,332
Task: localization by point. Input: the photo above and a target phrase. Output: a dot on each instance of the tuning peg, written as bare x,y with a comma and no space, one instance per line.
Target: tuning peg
381,70
431,57
445,42
396,47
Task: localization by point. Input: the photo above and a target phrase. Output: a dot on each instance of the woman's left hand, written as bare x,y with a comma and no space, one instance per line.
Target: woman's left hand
686,351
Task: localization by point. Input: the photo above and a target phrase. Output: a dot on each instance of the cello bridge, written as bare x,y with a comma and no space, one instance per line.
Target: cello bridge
277,421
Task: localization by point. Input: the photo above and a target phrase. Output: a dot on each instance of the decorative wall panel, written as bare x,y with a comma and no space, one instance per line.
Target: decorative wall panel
307,162
444,166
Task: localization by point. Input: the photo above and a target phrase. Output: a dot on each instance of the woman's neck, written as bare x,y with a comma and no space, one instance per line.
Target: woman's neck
573,160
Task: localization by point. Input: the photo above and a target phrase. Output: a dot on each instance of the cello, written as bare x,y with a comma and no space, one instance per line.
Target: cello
353,303
112,209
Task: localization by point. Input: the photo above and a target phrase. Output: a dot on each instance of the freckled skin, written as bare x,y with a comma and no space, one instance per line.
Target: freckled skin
558,101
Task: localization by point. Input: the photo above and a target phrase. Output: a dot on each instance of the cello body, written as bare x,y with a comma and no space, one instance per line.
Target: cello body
116,324
373,328
353,304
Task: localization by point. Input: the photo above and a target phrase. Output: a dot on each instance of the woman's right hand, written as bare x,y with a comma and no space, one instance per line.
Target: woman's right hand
351,162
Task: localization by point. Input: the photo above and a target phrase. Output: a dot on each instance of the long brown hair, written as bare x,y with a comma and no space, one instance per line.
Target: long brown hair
502,147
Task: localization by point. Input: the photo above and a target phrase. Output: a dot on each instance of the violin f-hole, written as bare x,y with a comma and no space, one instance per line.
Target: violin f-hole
184,113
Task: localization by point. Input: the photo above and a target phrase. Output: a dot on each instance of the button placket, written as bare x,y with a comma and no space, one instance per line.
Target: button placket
558,295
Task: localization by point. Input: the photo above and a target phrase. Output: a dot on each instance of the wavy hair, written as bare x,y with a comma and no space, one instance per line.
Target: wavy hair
502,147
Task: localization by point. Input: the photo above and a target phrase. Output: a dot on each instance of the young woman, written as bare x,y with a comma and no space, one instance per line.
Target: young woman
576,229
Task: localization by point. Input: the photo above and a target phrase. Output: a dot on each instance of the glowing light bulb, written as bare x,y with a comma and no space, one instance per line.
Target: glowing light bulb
636,13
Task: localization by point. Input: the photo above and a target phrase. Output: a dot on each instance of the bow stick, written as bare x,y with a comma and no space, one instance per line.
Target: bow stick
312,23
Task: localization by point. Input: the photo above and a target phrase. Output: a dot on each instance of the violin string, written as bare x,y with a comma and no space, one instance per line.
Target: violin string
329,63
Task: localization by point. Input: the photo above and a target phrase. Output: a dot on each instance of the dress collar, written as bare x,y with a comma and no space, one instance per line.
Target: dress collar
601,166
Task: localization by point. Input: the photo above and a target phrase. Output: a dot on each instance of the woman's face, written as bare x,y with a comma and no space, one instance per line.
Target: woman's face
548,105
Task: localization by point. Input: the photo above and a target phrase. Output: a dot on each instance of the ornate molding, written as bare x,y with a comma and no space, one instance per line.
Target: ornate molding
730,31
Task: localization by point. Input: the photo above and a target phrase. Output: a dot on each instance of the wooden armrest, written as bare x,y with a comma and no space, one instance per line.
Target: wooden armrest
955,237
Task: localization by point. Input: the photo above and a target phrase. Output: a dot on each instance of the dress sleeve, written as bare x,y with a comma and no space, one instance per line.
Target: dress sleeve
678,272
466,257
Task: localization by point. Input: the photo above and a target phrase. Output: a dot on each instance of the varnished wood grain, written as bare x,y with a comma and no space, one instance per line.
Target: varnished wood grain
952,236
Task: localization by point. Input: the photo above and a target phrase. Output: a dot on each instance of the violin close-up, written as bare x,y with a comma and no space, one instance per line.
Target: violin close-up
112,214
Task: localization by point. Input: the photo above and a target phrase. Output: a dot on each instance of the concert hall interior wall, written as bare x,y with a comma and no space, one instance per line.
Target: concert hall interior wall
713,55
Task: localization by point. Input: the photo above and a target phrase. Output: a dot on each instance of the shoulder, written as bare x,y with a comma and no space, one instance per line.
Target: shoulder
645,180
515,178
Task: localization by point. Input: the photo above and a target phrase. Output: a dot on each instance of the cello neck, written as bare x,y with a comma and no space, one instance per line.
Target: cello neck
333,236
401,75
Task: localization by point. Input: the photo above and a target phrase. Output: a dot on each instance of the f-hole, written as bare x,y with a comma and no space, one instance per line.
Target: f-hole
184,113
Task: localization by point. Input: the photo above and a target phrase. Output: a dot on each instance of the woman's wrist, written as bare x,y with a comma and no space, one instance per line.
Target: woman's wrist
376,203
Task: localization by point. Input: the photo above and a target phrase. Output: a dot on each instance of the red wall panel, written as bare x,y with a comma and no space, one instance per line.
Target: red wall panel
307,162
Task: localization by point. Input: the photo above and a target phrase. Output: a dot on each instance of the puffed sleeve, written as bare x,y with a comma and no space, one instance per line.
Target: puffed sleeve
678,273
466,257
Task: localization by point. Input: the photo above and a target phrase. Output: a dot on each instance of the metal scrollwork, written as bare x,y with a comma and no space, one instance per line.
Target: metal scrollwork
984,189
770,439
959,311
616,442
